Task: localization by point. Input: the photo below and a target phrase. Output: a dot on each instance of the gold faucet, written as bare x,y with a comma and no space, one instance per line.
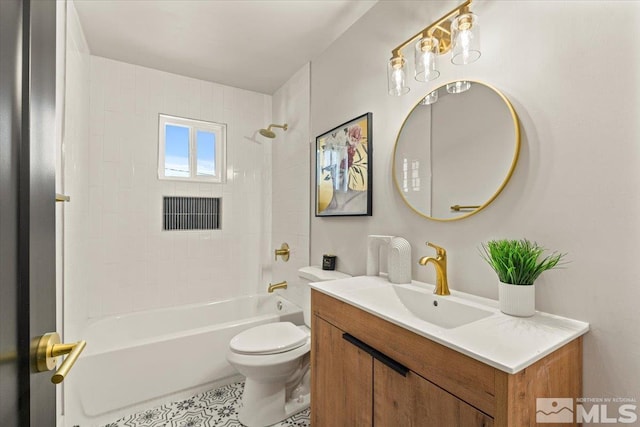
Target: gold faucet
440,263
281,285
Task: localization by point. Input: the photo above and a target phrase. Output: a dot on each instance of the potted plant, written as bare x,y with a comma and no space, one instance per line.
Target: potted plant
518,264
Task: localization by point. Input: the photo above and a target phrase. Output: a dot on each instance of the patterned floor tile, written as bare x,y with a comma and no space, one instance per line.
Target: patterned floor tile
214,408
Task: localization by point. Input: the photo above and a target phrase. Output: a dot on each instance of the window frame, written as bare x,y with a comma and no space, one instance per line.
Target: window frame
220,132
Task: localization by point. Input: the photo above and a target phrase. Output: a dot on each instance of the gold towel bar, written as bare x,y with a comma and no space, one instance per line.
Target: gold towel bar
458,208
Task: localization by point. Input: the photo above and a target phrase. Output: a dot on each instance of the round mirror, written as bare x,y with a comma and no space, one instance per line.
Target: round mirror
456,150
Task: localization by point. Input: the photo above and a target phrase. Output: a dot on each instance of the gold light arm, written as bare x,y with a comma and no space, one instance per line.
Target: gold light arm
463,8
458,208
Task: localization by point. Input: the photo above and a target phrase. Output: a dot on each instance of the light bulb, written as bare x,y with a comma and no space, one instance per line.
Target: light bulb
425,59
396,76
466,41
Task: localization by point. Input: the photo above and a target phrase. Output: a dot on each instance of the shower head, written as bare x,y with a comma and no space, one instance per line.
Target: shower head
271,134
268,133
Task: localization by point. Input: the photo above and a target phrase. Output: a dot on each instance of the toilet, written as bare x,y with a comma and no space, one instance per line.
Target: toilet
275,359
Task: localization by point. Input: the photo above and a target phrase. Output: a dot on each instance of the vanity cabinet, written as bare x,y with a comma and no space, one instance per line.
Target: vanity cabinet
410,400
367,371
346,376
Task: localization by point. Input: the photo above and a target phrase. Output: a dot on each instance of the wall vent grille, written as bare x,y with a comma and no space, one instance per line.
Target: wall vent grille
191,213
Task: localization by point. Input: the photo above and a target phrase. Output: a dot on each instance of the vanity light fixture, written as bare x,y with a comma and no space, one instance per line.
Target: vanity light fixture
431,98
457,32
459,86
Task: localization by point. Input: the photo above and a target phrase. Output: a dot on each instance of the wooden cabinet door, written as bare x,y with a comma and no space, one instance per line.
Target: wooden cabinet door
412,401
341,379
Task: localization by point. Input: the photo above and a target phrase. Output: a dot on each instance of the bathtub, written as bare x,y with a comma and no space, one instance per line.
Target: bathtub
144,356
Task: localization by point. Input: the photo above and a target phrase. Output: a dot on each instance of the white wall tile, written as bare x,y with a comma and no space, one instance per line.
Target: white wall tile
95,159
113,134
116,227
290,180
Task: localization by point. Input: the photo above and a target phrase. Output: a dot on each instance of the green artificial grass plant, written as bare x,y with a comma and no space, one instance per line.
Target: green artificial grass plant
518,261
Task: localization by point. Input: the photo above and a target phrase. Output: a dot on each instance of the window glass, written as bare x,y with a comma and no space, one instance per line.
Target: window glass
206,151
191,150
176,151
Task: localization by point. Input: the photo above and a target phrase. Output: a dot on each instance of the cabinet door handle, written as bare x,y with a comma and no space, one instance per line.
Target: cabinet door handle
396,366
386,360
355,341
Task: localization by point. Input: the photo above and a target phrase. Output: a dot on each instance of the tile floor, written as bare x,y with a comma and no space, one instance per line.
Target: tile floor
213,408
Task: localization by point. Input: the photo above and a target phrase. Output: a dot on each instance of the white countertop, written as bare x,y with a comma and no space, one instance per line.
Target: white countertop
505,342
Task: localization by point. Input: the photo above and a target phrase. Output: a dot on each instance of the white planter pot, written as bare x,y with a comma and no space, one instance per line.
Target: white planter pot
517,300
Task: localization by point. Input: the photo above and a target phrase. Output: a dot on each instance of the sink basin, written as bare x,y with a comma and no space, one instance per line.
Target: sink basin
443,311
410,302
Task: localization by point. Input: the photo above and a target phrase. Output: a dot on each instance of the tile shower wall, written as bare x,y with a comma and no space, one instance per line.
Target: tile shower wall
291,168
119,259
73,167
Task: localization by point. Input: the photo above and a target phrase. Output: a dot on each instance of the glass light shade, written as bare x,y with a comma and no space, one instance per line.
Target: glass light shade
426,54
431,98
396,77
465,36
459,86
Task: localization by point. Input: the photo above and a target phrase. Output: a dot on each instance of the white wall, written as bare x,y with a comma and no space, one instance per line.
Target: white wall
74,176
119,260
577,183
291,165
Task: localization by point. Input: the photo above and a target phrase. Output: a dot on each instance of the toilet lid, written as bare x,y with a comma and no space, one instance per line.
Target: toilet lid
270,338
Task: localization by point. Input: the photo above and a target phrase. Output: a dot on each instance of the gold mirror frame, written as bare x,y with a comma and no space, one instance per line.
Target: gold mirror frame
516,154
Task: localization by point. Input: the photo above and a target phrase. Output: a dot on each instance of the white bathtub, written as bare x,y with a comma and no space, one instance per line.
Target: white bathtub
144,356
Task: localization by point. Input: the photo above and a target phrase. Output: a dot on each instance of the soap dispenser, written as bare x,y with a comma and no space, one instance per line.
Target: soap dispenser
398,257
399,261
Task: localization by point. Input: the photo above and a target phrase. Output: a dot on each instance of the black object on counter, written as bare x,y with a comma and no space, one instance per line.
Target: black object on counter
329,262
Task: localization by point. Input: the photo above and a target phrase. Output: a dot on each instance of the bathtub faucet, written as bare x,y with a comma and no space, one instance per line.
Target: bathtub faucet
281,285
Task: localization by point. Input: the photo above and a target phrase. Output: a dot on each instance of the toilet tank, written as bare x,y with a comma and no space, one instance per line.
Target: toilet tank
312,274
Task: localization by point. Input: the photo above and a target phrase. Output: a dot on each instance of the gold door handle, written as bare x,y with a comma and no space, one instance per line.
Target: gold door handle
283,252
49,348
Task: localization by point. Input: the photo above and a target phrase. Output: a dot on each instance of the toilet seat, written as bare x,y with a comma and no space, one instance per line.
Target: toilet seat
271,338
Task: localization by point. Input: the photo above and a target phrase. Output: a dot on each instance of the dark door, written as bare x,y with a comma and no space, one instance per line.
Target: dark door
27,207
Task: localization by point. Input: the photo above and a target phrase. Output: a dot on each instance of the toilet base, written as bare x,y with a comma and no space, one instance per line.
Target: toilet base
263,404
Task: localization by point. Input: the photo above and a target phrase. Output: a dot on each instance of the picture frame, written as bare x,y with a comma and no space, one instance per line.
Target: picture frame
344,169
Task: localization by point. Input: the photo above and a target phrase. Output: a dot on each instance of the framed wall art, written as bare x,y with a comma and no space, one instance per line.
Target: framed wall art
344,169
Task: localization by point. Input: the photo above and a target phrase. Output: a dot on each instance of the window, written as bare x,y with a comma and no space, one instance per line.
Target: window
191,150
